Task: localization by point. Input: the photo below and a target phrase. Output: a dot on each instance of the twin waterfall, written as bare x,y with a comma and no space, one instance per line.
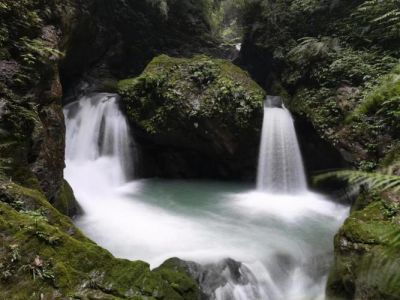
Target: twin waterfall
279,236
280,167
97,129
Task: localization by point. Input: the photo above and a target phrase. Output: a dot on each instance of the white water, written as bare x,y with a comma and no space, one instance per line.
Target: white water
284,241
280,168
97,141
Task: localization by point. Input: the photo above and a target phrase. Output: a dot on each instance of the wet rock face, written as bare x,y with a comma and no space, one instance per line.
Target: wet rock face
198,117
32,124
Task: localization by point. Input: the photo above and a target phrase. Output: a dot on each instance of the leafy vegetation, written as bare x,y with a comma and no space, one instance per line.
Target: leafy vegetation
374,180
378,21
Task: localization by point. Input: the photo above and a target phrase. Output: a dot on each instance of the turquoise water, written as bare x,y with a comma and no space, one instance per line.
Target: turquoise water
276,236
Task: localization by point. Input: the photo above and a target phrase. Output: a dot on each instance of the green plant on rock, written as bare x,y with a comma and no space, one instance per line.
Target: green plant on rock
176,91
51,240
203,72
39,269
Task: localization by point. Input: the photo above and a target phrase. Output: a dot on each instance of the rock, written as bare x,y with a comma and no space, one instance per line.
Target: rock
198,117
209,277
66,202
8,68
366,251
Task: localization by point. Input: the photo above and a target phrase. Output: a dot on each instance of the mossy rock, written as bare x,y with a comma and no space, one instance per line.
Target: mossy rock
174,91
367,255
66,201
208,107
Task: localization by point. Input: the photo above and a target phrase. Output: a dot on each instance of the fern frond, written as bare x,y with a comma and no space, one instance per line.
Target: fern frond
379,181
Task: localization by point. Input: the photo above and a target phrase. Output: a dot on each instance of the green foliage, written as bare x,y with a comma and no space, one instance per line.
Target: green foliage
378,21
376,181
310,50
226,20
358,67
36,51
319,106
383,100
203,72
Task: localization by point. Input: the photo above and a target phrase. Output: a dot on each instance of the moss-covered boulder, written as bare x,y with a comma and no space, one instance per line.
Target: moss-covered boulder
195,117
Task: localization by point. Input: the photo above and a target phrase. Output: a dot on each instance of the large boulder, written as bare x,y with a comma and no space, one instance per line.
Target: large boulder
198,117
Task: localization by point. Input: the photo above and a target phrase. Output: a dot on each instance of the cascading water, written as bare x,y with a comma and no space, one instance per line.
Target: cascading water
283,241
98,143
280,168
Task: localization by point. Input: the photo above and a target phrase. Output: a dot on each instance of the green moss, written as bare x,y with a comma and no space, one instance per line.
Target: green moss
176,275
66,202
172,91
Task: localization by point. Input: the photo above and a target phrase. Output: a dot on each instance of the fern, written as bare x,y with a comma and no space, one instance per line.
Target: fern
313,49
380,20
383,99
378,181
37,51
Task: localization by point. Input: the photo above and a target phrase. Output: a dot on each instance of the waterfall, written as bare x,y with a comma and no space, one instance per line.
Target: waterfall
282,244
97,137
280,167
